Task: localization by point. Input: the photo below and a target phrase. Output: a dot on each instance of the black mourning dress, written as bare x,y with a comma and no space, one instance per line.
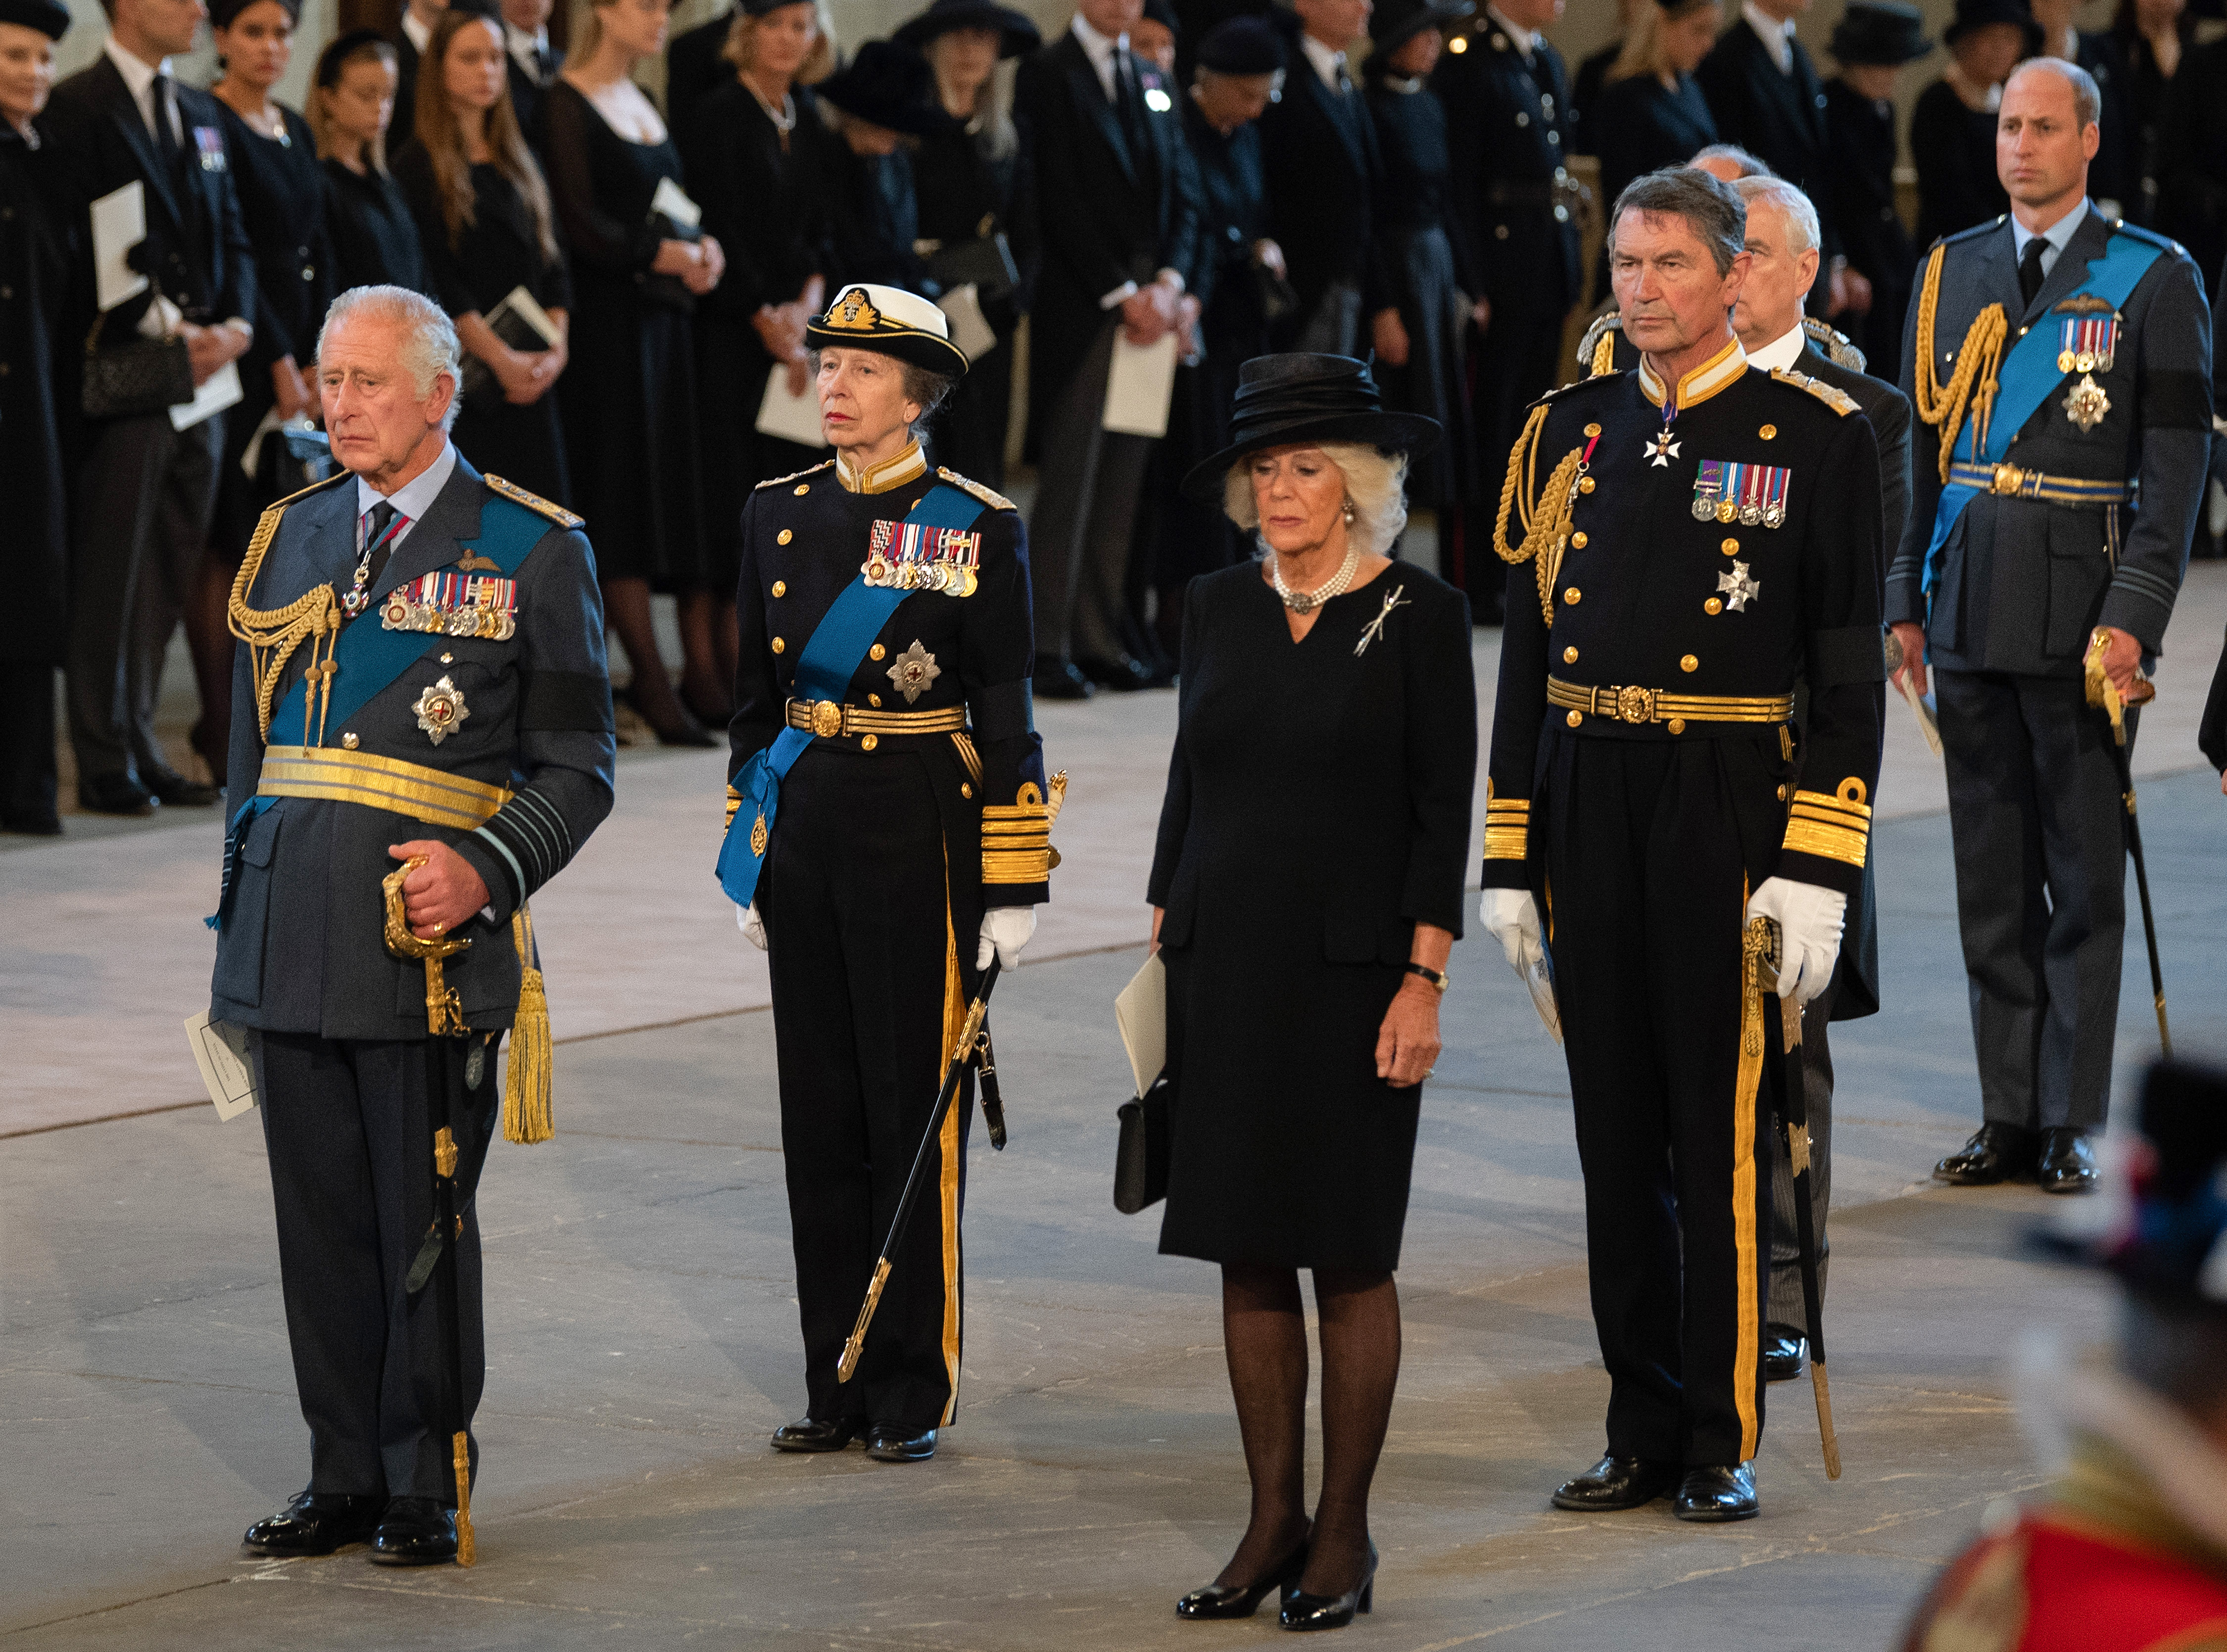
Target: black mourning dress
282,203
1317,809
1871,229
372,235
1419,270
629,395
1955,148
1642,125
497,251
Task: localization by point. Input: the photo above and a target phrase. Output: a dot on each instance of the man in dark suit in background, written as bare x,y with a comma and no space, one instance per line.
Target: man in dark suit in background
147,489
418,17
1119,214
1507,117
534,61
694,68
1319,148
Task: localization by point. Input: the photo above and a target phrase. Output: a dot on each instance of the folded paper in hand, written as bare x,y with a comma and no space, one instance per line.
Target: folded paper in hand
970,329
1139,386
520,322
1141,1011
792,418
672,201
221,390
119,223
220,1051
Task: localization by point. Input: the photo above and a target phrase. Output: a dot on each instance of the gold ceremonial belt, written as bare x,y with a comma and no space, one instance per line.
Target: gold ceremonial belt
2008,481
828,718
1653,705
339,776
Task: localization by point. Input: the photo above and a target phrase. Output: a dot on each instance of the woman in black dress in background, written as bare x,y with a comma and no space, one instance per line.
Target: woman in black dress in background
1421,279
371,237
882,103
630,403
1307,890
1952,129
487,229
1651,111
975,189
2152,38
756,153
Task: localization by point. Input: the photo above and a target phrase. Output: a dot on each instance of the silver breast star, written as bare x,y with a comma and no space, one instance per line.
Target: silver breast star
1737,587
1663,450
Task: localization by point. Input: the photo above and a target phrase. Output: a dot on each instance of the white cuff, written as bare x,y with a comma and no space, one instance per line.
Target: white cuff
1119,296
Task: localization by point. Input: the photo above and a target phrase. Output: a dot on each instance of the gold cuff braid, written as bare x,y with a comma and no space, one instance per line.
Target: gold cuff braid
1835,825
1016,836
1506,828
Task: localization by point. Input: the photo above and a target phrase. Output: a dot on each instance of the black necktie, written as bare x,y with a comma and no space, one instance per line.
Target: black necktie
1128,108
2030,269
545,65
166,135
382,518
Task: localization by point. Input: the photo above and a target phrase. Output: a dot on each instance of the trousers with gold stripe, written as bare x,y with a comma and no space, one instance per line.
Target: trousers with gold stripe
868,969
1647,850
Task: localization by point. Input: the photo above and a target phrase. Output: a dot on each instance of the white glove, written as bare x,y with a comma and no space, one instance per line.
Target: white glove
1511,917
751,925
1809,919
1005,930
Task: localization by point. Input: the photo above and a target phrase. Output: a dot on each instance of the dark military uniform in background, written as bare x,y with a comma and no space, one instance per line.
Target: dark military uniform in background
501,747
1645,775
875,880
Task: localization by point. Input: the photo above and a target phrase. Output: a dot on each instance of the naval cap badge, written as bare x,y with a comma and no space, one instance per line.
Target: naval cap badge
440,709
913,671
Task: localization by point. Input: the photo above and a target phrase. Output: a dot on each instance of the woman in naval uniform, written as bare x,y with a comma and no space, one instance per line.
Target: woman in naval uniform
889,830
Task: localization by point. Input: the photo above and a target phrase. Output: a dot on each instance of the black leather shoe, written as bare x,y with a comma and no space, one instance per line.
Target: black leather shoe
1229,1600
1616,1482
1057,680
1720,1492
1303,1611
175,791
895,1443
1783,1347
317,1522
415,1531
812,1435
114,795
1121,674
2067,1162
1997,1153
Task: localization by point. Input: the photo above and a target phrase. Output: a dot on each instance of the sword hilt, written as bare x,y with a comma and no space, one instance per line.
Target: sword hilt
847,1366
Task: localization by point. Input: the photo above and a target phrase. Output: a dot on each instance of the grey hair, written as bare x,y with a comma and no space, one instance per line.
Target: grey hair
2087,97
1707,204
1750,165
1801,213
1375,481
429,341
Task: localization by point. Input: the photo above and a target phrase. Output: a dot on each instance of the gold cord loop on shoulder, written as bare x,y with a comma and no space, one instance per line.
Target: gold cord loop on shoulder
1544,514
273,635
1973,383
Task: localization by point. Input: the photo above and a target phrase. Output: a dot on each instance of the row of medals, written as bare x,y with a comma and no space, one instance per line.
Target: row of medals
398,613
952,579
1706,508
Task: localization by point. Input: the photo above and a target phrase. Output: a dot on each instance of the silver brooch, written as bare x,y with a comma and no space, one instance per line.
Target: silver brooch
913,671
440,709
1374,629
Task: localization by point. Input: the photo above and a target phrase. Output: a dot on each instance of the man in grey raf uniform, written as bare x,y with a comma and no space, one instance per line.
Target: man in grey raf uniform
2059,365
424,686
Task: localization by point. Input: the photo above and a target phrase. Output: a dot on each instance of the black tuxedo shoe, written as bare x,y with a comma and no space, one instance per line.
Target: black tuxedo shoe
2067,1162
415,1531
173,789
895,1443
114,795
317,1522
1058,679
1616,1482
1721,1491
812,1435
1121,674
1228,1600
1783,1349
1303,1611
1997,1153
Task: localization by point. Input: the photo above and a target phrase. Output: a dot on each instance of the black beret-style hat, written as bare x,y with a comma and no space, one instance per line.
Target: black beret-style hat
334,57
1978,14
1241,46
50,17
1394,22
1295,398
1016,33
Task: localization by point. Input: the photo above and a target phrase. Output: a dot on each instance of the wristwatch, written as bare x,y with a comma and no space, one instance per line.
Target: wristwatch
1437,977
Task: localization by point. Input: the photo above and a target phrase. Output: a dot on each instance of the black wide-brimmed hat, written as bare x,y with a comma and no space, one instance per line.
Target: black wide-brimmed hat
1978,14
1016,34
1394,22
891,321
50,17
891,86
224,13
1880,33
1296,399
1241,45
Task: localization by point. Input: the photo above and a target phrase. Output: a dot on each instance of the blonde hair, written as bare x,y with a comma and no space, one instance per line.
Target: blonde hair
1643,47
434,121
1376,482
992,118
321,120
741,49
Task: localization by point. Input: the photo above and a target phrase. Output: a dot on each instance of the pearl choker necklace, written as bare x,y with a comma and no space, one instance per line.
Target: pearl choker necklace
1306,602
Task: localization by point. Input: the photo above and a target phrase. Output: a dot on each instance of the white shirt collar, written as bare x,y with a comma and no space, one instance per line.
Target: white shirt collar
419,34
1327,63
1782,352
1525,41
524,46
1100,49
138,79
415,497
1774,33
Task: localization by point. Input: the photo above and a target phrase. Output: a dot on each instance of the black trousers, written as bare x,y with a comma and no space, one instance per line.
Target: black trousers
1087,484
351,1149
26,744
1785,1306
2039,836
1647,886
865,969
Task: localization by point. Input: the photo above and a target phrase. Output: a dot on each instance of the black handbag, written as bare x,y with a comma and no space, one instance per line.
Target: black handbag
147,375
1140,1162
987,261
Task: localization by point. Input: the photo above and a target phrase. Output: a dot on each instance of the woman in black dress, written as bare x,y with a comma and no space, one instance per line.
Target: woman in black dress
1306,889
1651,112
372,237
2152,38
487,228
755,151
977,192
1952,129
1873,41
881,105
1421,280
274,157
639,265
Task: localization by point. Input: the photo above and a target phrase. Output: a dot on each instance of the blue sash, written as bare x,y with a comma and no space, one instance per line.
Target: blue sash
2029,375
830,659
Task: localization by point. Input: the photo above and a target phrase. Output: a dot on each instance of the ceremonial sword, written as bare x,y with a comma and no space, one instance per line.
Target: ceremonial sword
2104,694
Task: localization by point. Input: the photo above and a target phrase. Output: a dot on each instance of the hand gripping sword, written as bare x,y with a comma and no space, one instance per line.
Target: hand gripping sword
2104,694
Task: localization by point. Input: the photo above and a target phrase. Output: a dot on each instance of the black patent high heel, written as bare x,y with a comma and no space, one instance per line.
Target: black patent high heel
1303,1611
1226,1600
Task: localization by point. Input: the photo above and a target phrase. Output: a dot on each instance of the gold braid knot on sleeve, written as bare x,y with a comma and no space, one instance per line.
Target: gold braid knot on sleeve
273,635
1544,513
1973,385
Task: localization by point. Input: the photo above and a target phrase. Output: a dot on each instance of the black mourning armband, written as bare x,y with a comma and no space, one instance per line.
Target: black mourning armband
2174,398
1001,711
1852,653
569,701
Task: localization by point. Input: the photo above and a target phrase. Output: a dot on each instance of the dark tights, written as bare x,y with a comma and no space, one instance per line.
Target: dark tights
1265,1330
626,605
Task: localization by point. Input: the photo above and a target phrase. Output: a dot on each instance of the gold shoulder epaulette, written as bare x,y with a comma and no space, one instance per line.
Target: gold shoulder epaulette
1836,345
776,482
518,495
1838,399
995,501
1596,350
